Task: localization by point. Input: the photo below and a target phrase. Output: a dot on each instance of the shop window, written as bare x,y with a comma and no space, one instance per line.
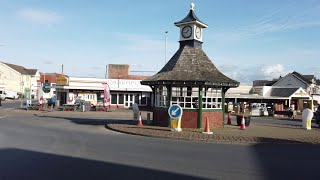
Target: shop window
113,98
143,100
121,99
136,98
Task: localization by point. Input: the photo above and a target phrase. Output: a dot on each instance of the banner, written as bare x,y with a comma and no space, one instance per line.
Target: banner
107,95
39,90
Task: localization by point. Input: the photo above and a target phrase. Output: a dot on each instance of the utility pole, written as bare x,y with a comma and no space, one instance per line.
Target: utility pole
165,48
106,75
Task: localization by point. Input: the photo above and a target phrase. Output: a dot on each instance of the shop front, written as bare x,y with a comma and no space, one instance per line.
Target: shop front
123,93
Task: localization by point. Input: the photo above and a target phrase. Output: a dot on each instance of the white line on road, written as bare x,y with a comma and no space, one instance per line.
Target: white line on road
3,116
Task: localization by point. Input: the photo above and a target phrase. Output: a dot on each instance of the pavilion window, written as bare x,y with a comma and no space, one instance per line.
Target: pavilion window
212,98
161,96
186,97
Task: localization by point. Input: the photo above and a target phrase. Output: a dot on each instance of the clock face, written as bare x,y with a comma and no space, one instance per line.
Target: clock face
186,31
198,32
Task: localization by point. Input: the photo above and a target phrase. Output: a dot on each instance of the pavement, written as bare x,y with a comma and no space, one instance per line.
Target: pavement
261,129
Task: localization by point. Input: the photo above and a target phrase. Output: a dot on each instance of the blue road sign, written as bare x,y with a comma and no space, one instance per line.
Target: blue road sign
175,111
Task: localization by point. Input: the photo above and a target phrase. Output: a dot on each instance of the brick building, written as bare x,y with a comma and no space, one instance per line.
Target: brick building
121,71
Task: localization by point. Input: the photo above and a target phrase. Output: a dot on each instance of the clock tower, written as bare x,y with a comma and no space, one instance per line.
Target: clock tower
190,79
191,29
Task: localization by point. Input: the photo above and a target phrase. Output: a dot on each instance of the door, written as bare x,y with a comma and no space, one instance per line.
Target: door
63,98
128,100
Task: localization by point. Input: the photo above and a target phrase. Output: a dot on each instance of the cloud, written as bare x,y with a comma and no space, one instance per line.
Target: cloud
273,71
250,73
39,16
289,17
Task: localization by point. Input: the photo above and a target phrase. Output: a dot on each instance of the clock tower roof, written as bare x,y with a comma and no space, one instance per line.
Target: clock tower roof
191,18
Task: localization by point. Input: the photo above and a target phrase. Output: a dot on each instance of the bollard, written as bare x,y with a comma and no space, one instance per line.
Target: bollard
307,115
148,119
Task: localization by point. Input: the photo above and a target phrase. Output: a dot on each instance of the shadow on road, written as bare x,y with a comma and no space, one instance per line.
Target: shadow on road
288,161
25,164
93,121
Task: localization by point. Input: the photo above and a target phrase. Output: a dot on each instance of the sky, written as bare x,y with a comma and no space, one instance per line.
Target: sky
246,39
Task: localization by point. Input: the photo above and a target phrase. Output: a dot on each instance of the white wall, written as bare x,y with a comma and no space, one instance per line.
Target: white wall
10,79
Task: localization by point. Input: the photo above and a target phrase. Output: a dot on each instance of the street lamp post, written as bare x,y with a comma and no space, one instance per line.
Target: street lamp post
165,47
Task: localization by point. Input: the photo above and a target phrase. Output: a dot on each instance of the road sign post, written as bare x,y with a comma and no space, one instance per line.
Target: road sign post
45,87
175,113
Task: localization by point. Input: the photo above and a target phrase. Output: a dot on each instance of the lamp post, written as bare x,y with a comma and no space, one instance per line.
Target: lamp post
165,47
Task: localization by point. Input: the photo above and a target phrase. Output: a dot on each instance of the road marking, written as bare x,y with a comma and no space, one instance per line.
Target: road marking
3,116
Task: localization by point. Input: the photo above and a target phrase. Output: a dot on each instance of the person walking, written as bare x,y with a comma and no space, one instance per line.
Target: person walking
53,100
41,103
318,116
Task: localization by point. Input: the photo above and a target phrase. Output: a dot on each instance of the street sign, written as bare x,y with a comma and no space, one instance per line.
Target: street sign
175,111
45,87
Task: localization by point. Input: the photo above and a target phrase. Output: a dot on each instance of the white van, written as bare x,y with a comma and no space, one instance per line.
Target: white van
11,94
2,95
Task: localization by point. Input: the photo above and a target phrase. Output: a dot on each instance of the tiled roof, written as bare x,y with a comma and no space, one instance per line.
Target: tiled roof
263,82
281,92
302,77
309,77
190,65
32,71
21,69
191,17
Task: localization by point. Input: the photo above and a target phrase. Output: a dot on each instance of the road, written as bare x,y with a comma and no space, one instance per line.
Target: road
54,147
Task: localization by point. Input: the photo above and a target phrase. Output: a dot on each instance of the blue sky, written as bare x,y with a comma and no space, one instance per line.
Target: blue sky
246,39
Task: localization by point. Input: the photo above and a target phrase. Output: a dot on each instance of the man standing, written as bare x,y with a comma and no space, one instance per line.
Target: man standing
53,101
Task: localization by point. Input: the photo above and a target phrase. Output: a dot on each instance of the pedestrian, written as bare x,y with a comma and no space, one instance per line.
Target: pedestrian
53,102
318,116
41,103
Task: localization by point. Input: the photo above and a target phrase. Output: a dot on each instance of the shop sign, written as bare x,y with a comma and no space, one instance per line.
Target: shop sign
62,81
301,93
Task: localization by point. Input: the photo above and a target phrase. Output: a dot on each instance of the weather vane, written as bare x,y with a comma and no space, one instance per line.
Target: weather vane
192,5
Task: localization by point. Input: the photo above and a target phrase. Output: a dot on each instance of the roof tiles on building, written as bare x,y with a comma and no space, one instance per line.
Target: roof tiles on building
264,82
190,64
303,77
191,17
21,69
281,92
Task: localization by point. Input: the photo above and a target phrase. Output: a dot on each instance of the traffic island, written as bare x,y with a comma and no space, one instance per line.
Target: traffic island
218,136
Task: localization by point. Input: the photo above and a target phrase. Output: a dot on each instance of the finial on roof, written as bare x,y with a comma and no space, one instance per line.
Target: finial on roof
192,6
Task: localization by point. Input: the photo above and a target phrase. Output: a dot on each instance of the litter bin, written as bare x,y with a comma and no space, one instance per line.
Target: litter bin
318,118
270,112
247,120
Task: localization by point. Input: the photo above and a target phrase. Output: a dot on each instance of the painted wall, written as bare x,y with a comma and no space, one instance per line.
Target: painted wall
10,79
